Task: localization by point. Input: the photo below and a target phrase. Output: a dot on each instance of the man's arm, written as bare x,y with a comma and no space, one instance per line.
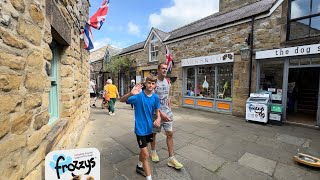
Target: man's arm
125,97
157,121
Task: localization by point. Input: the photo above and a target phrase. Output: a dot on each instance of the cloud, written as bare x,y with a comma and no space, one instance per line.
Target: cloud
133,29
182,12
105,41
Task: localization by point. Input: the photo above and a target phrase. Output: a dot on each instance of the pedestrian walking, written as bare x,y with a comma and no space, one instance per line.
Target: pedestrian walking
106,99
112,93
92,90
132,84
146,103
162,90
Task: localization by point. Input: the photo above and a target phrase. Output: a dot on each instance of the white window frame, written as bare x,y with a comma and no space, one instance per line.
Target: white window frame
152,49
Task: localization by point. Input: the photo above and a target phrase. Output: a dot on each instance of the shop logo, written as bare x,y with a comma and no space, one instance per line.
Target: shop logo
259,111
227,56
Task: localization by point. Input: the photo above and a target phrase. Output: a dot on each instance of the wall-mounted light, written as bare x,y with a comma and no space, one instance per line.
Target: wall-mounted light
245,53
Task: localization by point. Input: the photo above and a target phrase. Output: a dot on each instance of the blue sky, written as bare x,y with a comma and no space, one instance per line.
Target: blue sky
130,21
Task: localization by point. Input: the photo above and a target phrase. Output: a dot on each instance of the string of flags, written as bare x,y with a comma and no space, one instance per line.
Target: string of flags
96,22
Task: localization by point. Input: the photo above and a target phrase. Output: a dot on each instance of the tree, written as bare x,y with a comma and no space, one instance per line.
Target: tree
118,64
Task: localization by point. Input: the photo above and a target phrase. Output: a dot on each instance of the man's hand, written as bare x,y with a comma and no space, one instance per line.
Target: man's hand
136,89
164,117
156,123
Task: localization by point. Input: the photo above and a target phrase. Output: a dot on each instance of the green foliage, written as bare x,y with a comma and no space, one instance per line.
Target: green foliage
118,64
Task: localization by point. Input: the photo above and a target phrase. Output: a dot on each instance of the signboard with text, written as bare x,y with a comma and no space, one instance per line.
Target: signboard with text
291,51
214,59
79,164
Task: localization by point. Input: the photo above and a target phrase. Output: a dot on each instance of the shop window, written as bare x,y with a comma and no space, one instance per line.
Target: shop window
224,81
205,82
53,94
304,19
271,75
315,61
154,49
190,82
301,62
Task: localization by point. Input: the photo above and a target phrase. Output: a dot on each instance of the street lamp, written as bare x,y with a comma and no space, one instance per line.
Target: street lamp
245,53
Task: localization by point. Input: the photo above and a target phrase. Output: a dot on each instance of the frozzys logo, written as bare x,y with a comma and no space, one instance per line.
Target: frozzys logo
67,164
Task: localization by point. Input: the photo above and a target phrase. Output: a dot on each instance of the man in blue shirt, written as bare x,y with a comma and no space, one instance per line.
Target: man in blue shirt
145,104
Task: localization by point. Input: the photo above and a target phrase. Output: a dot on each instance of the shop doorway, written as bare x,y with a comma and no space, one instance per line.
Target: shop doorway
303,95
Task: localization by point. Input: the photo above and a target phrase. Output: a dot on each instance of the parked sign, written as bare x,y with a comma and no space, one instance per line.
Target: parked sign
82,164
220,58
291,51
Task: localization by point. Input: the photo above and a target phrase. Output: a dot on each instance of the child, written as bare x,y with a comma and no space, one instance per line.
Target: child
145,104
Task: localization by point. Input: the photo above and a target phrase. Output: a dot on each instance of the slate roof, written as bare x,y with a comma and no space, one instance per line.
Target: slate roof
219,19
100,53
209,22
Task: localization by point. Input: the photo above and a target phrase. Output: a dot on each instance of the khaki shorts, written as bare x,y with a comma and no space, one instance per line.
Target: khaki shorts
167,126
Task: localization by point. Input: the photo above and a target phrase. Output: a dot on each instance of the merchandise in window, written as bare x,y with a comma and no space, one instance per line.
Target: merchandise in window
225,75
205,82
271,75
190,82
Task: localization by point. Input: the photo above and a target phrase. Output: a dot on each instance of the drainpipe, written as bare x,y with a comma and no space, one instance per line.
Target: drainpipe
251,54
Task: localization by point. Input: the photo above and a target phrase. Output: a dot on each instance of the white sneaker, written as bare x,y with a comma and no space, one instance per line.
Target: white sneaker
112,114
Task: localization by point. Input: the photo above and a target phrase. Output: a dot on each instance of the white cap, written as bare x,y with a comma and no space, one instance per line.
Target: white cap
133,81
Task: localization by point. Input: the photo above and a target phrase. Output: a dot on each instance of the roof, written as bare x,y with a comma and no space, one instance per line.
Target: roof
132,48
219,19
100,53
213,21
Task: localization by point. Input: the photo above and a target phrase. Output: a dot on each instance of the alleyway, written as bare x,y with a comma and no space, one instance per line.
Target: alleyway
210,145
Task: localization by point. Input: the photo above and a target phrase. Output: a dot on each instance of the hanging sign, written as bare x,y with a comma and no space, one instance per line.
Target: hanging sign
291,51
73,164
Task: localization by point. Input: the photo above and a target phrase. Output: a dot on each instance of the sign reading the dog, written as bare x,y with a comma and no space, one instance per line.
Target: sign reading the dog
73,164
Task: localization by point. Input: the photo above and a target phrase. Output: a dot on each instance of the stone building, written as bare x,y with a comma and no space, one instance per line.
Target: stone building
98,61
222,58
44,78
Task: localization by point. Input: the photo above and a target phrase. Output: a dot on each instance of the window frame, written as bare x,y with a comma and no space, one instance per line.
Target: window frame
153,43
307,17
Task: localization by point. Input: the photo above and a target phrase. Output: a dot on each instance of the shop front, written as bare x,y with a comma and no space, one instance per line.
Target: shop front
293,76
208,82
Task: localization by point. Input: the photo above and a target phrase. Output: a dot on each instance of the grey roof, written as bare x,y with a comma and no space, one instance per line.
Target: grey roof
100,53
209,22
132,48
163,35
219,19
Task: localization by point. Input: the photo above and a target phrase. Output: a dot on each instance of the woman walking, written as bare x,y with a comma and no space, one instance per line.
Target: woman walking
112,93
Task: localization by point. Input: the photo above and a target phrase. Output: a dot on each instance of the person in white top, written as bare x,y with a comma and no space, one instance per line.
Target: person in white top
92,90
162,90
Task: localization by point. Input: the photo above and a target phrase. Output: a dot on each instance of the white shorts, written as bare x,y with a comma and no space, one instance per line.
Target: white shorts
167,126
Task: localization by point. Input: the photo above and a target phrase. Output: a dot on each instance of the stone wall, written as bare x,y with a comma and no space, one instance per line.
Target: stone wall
26,30
229,5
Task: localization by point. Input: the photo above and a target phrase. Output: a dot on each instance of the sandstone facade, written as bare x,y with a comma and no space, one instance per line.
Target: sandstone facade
27,29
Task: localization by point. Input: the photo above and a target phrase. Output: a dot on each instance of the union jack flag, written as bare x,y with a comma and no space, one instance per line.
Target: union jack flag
87,37
97,19
169,60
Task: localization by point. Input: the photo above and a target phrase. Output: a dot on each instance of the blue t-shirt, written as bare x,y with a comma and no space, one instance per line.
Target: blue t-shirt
144,107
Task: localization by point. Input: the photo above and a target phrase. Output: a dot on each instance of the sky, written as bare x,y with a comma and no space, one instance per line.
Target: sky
129,21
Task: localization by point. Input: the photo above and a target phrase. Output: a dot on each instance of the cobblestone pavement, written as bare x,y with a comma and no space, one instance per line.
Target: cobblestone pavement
210,145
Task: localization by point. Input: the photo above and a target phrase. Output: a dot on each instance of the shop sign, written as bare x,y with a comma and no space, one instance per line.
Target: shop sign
72,164
214,59
291,51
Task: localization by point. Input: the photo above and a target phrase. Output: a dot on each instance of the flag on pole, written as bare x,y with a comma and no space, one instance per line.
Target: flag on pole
169,60
97,19
87,37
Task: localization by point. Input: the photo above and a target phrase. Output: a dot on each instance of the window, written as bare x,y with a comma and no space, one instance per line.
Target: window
304,19
154,49
190,82
205,82
224,80
271,74
53,94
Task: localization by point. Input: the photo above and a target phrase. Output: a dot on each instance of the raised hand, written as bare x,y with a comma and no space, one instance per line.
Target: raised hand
136,89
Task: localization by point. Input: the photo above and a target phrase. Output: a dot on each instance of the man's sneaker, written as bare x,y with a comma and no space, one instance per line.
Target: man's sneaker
112,114
154,157
140,170
175,164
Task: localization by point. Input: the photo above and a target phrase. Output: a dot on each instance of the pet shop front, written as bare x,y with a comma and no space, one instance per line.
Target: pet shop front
208,82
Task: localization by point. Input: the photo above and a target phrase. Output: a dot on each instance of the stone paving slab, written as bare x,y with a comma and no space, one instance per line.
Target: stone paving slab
259,163
232,171
286,172
291,139
201,156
